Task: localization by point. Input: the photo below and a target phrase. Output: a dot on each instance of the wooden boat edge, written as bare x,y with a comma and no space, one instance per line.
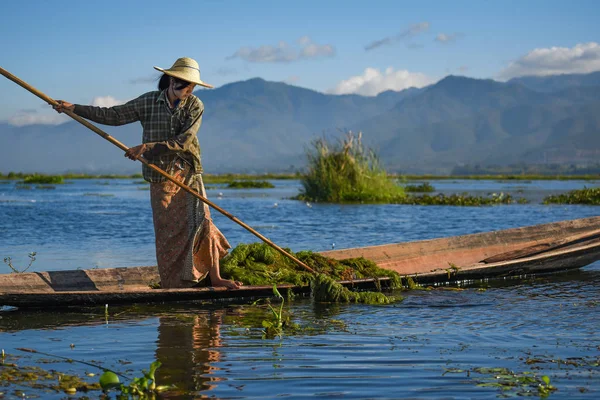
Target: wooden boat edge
574,257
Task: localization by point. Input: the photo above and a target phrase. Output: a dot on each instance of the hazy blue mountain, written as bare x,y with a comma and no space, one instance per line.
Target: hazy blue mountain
554,83
258,126
463,120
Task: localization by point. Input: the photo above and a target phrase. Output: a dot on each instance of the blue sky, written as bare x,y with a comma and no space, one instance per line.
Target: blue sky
103,52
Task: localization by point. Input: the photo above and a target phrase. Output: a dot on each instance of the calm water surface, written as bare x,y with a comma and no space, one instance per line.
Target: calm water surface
435,344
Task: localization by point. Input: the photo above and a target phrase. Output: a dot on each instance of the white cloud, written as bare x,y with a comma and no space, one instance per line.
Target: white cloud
284,52
32,117
106,101
444,38
47,117
304,40
373,82
411,32
580,59
313,50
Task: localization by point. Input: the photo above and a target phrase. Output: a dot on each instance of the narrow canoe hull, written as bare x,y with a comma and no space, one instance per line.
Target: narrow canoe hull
512,252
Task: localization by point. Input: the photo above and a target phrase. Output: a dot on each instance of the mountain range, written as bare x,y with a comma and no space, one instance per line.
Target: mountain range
259,126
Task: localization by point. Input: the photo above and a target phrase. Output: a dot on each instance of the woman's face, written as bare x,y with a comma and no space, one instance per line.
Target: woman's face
180,92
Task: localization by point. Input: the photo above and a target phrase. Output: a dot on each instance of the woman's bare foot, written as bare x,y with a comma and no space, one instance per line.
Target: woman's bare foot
226,282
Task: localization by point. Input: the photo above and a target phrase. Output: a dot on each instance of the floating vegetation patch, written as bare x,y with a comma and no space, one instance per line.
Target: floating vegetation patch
141,182
99,194
226,178
43,179
346,171
572,361
425,187
24,379
586,195
510,383
250,185
458,200
253,320
46,187
20,186
23,187
259,264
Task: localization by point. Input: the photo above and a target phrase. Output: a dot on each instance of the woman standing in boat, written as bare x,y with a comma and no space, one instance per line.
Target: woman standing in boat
188,244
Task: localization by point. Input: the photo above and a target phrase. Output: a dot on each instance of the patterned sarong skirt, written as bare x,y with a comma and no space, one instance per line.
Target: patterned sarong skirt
188,244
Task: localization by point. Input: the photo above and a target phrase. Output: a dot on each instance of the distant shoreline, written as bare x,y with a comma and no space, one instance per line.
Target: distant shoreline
225,178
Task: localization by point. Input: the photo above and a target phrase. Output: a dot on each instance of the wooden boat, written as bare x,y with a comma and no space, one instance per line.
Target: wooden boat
511,252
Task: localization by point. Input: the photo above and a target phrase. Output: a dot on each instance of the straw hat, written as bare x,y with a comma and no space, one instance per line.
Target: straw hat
187,69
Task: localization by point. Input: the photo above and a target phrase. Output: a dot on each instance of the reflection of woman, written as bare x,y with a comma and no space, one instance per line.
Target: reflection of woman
188,245
186,349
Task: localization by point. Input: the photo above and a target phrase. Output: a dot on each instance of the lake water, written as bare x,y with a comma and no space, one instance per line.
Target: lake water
435,344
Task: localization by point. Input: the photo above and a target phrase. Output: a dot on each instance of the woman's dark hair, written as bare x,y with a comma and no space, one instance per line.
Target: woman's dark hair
163,83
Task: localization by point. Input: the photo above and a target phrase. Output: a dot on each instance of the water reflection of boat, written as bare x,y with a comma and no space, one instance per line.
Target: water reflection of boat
518,251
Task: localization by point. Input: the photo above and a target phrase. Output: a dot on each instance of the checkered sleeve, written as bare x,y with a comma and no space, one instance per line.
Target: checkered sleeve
116,115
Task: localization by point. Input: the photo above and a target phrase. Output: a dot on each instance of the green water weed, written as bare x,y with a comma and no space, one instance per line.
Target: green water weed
250,185
43,179
140,388
590,196
509,382
274,326
424,187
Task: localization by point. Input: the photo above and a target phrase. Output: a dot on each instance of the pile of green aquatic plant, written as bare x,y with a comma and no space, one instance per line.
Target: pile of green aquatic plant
346,171
43,179
250,185
425,187
583,196
327,290
260,264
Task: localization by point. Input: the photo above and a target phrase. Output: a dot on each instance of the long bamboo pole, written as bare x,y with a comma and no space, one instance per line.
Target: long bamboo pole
120,145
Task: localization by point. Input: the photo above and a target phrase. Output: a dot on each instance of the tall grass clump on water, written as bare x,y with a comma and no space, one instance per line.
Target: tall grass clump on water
346,171
43,179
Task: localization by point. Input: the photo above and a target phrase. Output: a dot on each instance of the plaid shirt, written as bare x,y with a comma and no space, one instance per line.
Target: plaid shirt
170,134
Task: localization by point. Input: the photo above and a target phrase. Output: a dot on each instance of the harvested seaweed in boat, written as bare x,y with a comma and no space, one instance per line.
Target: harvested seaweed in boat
259,264
327,290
